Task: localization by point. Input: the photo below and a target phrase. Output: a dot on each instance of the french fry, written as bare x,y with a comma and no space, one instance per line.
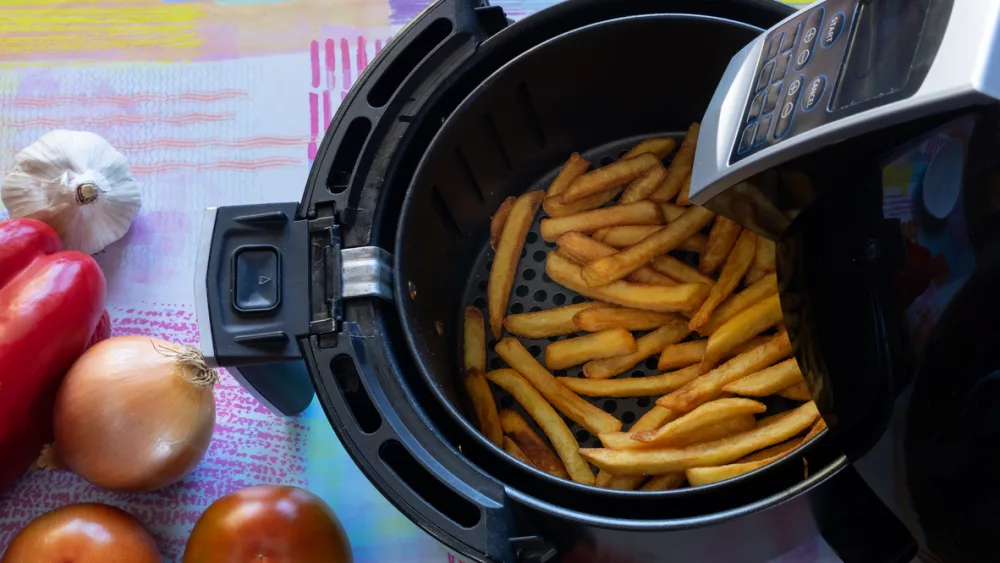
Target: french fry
717,452
474,351
654,418
736,267
615,267
817,427
672,211
514,451
679,271
609,177
671,332
661,298
638,213
626,235
665,482
706,433
554,206
474,343
598,319
630,386
584,249
531,444
575,167
689,353
773,451
550,322
680,166
796,392
737,302
708,415
742,327
709,385
721,239
548,420
567,402
698,476
644,186
594,346
767,381
499,219
764,259
754,275
661,147
684,197
508,252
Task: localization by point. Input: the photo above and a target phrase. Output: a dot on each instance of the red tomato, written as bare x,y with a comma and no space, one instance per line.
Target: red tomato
268,524
83,533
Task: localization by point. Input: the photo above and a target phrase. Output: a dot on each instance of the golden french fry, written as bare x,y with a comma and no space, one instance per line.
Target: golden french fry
643,186
508,252
672,211
680,166
474,344
718,452
765,259
722,428
626,235
698,476
709,385
665,482
684,197
575,167
661,298
548,420
689,353
754,275
818,427
583,249
615,267
638,213
679,271
567,402
609,177
631,386
746,324
598,319
474,352
721,239
499,219
767,381
773,451
554,206
736,266
796,392
512,448
550,322
531,444
671,332
654,418
753,294
661,147
594,346
708,415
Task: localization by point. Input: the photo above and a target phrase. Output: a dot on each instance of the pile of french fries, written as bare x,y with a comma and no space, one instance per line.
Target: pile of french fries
717,328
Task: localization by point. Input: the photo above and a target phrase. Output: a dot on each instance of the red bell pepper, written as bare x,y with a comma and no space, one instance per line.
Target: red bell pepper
50,304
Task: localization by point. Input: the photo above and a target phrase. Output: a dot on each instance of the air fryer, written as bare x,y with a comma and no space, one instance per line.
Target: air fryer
361,285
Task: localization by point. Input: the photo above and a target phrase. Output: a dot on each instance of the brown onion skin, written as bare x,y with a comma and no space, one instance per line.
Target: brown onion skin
130,461
276,524
83,533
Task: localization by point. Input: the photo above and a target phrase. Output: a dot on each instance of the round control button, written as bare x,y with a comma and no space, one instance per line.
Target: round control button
787,109
793,88
813,93
810,35
832,30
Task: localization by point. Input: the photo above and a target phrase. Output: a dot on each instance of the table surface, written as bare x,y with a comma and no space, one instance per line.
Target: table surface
214,103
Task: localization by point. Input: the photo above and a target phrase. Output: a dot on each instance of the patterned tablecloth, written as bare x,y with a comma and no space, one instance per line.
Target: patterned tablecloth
215,103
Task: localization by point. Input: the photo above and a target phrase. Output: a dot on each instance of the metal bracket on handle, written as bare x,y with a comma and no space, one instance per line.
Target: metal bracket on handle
366,271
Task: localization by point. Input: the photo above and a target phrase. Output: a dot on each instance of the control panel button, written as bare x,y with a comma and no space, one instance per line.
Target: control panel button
747,139
772,98
791,36
755,106
772,46
256,279
795,87
832,30
781,66
765,76
802,59
787,112
814,92
763,129
809,36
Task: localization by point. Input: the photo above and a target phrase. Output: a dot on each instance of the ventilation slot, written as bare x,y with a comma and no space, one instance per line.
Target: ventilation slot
446,501
347,155
494,134
463,165
358,401
441,206
407,60
527,109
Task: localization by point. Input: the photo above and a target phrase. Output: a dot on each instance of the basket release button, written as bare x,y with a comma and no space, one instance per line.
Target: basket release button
256,279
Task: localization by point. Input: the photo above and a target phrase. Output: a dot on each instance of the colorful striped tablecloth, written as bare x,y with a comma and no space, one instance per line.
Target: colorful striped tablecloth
214,103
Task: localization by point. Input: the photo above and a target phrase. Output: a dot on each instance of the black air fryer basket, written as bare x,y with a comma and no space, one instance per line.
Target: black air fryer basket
390,243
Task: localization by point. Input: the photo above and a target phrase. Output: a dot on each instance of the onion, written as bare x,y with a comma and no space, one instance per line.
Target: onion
135,413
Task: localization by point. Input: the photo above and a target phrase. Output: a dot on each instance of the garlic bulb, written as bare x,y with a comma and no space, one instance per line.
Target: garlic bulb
79,184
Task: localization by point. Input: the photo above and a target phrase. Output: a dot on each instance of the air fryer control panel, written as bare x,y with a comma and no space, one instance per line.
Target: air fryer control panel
796,75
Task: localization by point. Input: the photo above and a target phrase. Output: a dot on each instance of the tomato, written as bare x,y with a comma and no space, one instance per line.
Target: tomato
83,533
268,524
